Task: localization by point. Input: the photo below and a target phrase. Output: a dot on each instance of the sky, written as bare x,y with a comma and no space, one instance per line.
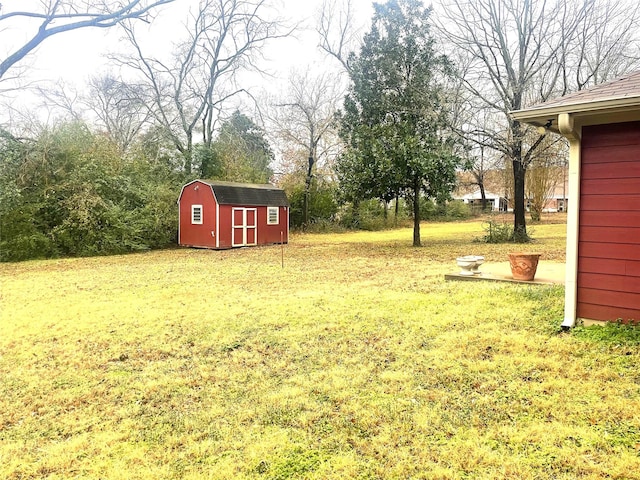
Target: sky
72,57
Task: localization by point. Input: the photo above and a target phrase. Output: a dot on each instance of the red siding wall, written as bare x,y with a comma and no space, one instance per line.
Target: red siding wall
609,237
189,235
225,226
268,234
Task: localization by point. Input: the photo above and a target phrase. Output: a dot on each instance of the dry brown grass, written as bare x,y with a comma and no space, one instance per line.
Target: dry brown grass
355,360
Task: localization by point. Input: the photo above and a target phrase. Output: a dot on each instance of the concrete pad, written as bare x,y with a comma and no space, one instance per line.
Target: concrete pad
548,273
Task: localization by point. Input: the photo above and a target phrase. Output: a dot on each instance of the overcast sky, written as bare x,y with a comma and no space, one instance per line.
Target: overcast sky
76,55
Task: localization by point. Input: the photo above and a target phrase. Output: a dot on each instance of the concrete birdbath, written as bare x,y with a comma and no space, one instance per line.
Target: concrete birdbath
470,264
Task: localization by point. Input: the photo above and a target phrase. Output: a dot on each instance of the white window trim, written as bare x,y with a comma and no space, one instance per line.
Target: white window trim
193,210
277,210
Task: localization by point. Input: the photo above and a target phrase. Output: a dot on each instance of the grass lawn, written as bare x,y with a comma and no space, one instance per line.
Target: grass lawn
356,360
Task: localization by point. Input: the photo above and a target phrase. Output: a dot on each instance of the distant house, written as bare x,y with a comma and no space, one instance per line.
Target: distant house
602,125
495,202
468,192
223,215
557,201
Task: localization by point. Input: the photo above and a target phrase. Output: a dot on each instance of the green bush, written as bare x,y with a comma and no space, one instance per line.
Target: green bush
457,210
27,247
72,193
430,210
322,205
368,215
324,226
497,232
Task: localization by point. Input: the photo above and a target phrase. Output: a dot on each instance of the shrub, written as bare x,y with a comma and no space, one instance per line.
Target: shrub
497,232
457,210
77,195
26,247
324,226
429,210
322,204
369,215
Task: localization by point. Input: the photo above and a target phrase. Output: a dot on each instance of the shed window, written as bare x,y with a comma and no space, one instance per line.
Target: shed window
196,214
272,215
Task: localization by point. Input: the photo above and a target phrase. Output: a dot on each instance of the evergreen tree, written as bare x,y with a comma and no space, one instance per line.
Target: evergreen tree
395,114
241,152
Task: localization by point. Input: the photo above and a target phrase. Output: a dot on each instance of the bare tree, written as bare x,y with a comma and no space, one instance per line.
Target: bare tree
187,93
544,174
59,16
469,120
304,121
481,163
520,52
60,98
115,106
607,45
118,107
337,30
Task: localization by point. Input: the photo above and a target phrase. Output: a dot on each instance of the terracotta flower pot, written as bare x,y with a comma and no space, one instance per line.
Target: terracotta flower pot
524,265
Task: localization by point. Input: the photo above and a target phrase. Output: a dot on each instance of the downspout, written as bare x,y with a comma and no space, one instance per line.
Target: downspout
567,128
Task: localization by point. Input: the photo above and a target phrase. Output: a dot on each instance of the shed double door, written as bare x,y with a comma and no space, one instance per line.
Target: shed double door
244,227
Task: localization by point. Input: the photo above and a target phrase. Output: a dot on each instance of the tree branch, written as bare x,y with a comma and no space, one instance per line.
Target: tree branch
132,10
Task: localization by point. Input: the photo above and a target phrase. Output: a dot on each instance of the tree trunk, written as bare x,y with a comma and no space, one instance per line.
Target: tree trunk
483,196
416,213
395,218
519,173
519,220
187,162
355,222
188,154
307,193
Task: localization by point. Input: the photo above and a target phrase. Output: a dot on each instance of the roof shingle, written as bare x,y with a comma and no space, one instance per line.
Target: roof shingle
623,87
229,193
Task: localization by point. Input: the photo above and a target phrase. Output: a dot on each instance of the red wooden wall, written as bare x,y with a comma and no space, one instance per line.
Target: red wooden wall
609,236
197,193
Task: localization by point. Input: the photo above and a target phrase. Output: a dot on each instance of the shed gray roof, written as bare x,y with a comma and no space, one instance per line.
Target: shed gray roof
229,193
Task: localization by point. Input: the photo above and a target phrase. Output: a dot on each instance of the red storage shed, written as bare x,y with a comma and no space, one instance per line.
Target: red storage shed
602,125
222,215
